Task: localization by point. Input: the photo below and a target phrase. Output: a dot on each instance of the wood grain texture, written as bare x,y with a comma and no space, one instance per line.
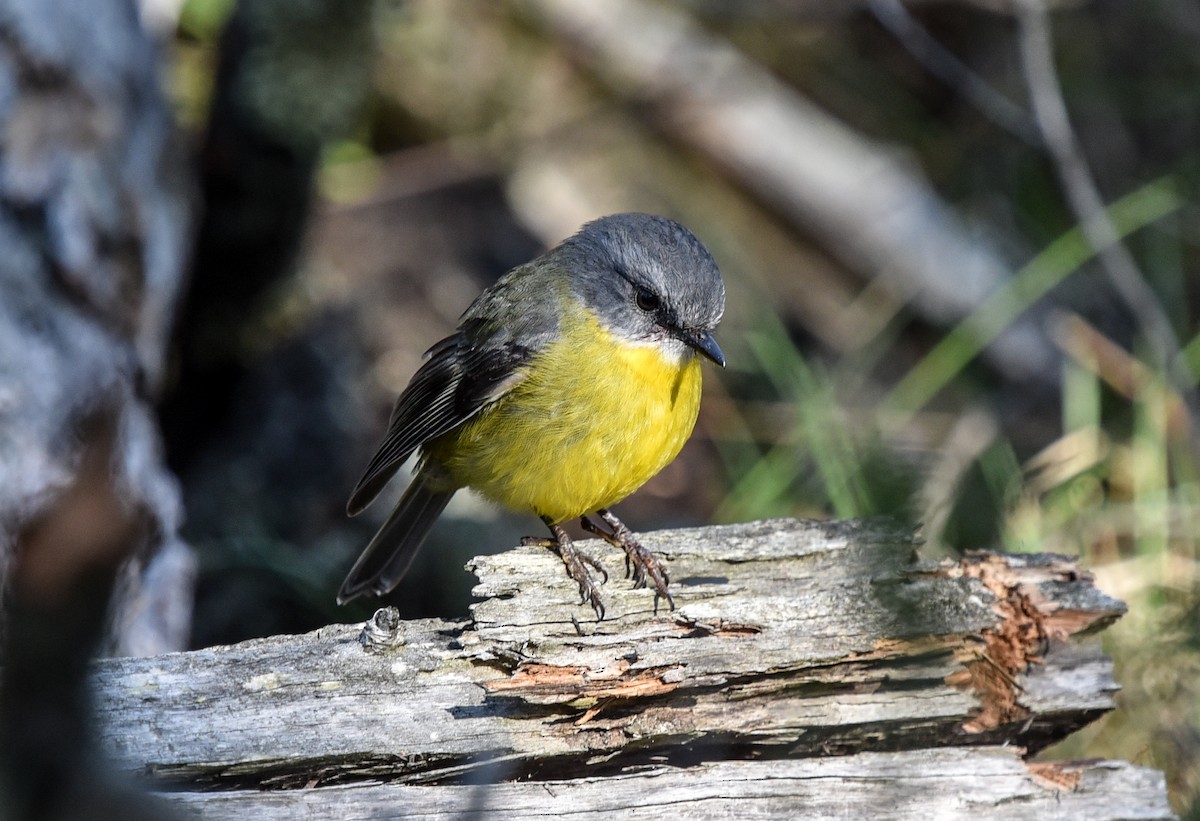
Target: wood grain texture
988,782
794,644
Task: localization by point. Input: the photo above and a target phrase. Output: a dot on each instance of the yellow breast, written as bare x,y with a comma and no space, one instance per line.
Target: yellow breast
595,418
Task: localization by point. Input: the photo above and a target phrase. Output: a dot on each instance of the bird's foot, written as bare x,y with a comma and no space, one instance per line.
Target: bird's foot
577,563
646,568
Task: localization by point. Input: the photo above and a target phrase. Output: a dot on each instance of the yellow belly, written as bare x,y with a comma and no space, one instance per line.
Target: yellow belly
595,419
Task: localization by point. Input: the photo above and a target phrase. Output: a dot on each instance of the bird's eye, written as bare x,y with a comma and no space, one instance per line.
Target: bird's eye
647,300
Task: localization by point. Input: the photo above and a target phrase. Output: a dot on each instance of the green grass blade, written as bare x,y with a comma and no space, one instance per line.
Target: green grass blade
1046,270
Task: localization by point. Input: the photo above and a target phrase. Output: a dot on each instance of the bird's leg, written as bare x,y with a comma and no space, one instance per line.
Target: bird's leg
577,563
645,567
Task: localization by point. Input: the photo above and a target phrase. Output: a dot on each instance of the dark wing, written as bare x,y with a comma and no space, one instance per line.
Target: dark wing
462,374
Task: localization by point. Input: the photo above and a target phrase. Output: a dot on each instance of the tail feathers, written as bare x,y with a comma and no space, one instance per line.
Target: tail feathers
387,558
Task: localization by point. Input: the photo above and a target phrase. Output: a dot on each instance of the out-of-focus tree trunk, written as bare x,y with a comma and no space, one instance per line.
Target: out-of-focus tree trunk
94,223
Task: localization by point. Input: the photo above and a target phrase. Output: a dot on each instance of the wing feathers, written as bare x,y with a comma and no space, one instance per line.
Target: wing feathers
457,380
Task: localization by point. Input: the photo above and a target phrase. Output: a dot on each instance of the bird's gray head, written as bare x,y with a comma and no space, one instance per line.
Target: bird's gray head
649,280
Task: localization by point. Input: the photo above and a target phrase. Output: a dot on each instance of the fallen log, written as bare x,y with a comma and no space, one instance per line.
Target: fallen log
800,655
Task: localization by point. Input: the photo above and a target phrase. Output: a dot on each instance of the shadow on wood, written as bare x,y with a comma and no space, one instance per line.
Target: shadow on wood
814,667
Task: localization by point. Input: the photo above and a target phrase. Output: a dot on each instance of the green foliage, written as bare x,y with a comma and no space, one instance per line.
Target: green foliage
1059,260
820,465
202,19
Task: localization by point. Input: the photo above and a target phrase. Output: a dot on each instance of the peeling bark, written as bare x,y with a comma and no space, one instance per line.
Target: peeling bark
1029,620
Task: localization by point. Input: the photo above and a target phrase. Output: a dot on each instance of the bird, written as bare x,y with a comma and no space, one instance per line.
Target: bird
567,384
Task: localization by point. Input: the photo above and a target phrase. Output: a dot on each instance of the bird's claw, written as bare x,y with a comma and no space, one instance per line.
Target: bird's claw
645,568
577,563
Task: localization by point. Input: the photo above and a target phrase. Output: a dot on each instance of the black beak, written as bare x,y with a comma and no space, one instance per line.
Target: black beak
703,342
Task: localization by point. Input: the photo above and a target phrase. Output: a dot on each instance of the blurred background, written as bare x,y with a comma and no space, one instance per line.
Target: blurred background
959,241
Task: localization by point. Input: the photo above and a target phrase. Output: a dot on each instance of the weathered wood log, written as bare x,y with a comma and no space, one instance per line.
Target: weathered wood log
988,782
792,640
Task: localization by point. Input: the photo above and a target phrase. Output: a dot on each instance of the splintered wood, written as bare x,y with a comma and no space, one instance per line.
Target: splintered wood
1028,622
792,642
